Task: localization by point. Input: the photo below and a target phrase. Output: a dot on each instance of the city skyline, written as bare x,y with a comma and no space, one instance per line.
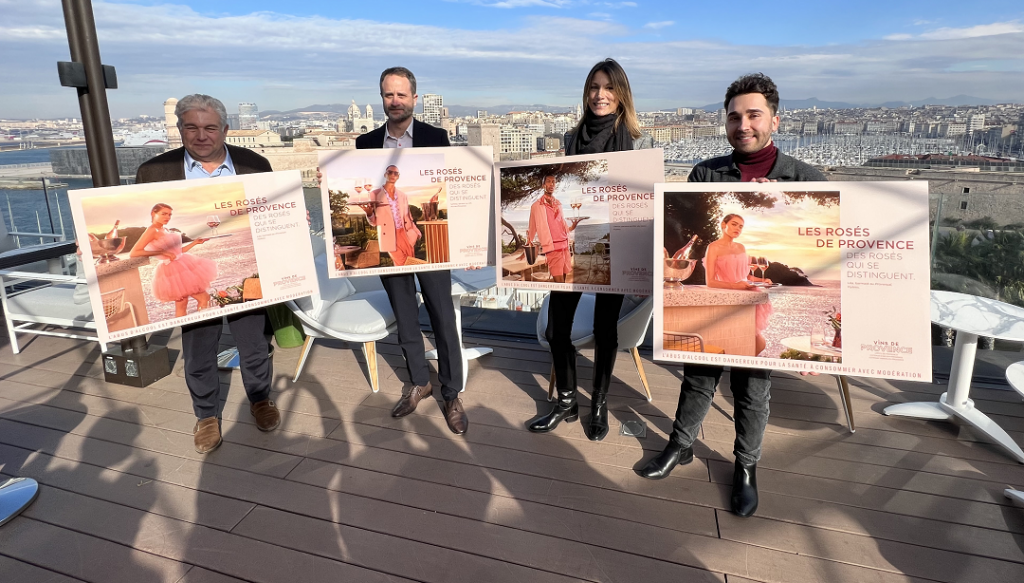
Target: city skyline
479,52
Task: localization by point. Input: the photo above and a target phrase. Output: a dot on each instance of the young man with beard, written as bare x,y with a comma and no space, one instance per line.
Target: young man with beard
752,104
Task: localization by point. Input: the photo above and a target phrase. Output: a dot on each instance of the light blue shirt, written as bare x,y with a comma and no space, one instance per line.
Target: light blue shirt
194,168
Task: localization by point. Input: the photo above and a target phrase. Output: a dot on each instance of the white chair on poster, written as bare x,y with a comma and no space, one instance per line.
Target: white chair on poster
634,318
114,306
351,309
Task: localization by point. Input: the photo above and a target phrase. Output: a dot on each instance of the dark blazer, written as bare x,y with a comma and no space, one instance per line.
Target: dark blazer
725,169
424,135
171,165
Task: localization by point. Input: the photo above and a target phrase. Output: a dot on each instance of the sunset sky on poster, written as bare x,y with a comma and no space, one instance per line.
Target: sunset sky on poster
191,206
774,233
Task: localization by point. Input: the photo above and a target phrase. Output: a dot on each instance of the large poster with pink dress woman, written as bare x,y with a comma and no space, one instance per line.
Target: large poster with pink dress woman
161,255
809,277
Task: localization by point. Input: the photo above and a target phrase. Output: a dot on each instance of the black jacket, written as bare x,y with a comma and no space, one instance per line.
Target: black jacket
171,165
424,135
724,169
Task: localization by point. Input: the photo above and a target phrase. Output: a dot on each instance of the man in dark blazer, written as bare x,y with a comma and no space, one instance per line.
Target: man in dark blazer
202,121
398,90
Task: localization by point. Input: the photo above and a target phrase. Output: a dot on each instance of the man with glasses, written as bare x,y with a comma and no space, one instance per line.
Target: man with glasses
202,121
398,91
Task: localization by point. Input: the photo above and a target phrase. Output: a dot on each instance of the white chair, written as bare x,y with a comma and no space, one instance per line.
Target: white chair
634,318
350,309
51,301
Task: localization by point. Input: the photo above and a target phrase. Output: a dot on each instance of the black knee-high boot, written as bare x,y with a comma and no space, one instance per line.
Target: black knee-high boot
565,408
604,363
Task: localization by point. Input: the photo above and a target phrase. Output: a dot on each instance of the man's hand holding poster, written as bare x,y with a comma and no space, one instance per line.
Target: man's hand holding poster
405,210
164,254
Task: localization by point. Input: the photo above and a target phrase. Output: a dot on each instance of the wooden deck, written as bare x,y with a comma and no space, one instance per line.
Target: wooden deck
343,492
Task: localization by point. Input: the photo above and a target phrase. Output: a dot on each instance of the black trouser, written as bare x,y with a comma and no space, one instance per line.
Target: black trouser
751,392
199,346
561,313
436,287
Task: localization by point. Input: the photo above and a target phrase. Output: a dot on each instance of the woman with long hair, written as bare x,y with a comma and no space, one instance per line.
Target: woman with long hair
727,267
179,276
609,124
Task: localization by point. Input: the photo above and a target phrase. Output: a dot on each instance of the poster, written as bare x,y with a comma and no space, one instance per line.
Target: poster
164,254
402,210
829,277
578,223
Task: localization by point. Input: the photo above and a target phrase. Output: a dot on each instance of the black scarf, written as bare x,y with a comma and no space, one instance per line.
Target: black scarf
598,134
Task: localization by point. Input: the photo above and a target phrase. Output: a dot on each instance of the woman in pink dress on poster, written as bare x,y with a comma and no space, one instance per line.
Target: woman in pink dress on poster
179,276
726,267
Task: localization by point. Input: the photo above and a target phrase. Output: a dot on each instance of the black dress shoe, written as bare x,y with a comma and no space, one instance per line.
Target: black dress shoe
598,426
660,467
744,489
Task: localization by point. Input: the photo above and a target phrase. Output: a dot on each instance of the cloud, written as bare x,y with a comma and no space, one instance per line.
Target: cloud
981,30
283,62
659,25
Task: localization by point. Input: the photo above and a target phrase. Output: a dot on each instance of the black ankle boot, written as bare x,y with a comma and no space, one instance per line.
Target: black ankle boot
660,467
565,409
744,489
598,415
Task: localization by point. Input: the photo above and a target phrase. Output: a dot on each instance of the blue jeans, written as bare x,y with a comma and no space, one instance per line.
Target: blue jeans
751,391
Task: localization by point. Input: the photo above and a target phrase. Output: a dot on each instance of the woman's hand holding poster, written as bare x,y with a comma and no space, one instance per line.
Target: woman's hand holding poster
580,223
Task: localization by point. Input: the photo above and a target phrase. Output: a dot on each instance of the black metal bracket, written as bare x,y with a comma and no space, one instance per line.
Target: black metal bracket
72,74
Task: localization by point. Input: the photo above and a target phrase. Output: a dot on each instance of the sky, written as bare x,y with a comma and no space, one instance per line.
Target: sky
774,234
189,215
488,52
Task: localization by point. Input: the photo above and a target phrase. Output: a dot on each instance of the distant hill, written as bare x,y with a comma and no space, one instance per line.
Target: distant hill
470,110
322,108
814,101
797,104
453,110
956,100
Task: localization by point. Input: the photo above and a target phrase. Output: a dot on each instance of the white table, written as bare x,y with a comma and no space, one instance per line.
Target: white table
971,316
1015,376
803,344
466,281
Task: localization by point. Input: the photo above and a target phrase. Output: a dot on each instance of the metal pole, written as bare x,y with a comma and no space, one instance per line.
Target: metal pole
49,213
99,135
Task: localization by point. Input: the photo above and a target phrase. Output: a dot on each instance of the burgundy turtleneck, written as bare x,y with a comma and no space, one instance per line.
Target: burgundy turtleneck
756,165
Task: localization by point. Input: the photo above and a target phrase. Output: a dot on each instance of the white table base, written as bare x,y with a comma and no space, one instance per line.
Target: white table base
956,403
1015,495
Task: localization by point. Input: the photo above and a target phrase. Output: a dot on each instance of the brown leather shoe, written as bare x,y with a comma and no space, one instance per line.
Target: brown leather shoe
206,435
266,414
411,396
456,416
